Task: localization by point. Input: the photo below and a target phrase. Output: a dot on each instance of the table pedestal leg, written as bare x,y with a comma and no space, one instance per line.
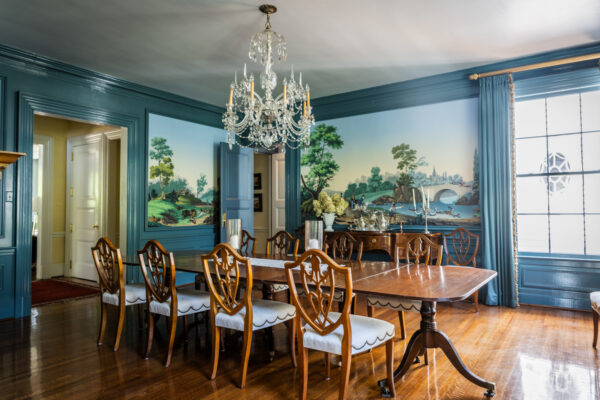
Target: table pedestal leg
428,337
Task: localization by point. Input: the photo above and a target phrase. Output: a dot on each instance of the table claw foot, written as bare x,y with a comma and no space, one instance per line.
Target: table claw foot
385,391
491,390
417,360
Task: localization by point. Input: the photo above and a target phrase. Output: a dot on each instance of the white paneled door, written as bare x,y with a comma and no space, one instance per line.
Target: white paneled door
84,203
277,193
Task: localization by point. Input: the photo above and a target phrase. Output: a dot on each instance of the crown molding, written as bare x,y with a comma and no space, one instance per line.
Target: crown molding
34,63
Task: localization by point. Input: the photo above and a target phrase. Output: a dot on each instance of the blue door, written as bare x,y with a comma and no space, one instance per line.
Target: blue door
237,186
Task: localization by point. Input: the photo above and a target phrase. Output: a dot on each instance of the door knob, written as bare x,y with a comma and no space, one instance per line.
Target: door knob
95,226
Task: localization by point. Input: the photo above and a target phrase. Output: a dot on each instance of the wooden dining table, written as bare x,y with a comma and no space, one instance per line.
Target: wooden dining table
426,283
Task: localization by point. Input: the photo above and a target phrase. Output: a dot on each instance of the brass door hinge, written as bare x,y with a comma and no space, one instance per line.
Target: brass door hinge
70,264
70,227
71,192
72,156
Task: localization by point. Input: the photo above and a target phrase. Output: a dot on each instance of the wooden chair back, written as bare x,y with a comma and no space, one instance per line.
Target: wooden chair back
316,272
282,244
108,262
461,247
158,268
248,244
421,249
341,246
223,280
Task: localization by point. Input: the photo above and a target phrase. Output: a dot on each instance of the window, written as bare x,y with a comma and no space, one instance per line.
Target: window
557,150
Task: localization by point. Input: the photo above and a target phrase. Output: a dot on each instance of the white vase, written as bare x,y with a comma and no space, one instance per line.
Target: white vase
329,218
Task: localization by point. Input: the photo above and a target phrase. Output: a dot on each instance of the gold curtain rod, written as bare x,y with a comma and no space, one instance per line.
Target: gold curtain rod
530,67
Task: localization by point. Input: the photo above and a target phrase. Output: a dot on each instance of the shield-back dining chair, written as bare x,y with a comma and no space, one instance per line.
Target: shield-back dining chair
158,268
339,333
115,292
461,247
229,309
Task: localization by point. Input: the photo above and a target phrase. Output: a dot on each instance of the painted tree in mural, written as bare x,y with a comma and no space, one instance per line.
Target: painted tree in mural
476,177
201,184
161,153
407,163
375,180
319,160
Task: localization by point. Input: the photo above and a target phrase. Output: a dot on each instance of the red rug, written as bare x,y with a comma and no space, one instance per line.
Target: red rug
52,290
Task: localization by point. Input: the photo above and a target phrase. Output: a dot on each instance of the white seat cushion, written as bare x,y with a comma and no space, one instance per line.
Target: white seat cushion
189,301
366,334
595,299
265,313
279,287
394,303
134,294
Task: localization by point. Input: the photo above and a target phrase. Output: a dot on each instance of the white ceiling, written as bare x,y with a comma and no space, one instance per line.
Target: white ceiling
192,47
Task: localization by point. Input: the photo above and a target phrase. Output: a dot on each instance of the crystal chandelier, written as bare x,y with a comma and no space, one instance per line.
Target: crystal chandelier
267,121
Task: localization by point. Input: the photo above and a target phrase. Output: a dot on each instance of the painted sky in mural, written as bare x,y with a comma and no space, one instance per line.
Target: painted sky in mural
182,172
436,145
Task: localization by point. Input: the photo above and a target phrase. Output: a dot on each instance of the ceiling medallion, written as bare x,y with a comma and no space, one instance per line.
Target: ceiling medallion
265,120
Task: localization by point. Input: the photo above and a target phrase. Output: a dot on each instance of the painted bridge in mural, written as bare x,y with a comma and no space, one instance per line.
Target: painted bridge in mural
437,190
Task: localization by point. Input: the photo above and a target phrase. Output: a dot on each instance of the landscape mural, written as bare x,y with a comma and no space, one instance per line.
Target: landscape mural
181,172
382,161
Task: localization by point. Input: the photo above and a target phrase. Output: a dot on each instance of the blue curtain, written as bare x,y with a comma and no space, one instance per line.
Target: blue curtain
495,189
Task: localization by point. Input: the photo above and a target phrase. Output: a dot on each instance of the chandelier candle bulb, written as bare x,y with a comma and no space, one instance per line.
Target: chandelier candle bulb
252,89
244,70
304,110
307,97
230,97
284,93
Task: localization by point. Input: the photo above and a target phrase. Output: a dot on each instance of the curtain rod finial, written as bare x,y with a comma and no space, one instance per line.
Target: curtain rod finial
474,77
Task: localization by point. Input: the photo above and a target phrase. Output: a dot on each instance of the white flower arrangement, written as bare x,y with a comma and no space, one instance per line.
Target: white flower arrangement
325,204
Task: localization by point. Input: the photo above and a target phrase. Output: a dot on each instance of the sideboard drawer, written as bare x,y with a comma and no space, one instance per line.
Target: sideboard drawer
380,242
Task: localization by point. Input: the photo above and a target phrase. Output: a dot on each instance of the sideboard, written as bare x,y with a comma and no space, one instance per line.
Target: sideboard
392,243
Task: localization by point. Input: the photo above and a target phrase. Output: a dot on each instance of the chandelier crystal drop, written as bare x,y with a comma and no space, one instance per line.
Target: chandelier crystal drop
267,120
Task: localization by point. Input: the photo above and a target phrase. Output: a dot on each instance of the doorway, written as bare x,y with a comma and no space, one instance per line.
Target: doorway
79,174
269,197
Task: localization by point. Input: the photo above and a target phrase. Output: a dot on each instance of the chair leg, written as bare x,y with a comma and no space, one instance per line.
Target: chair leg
150,333
353,306
389,366
185,327
172,330
369,310
246,355
425,355
402,325
222,339
476,301
596,317
216,336
345,374
327,366
292,334
102,322
303,353
119,326
140,313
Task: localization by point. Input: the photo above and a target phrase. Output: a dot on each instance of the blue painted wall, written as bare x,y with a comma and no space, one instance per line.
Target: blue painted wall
31,83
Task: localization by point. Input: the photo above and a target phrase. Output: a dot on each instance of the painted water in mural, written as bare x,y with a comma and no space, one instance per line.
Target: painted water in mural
391,160
182,172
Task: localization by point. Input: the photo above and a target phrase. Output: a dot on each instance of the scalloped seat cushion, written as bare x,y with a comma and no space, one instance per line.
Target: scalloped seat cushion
367,333
394,303
189,301
134,294
595,299
265,313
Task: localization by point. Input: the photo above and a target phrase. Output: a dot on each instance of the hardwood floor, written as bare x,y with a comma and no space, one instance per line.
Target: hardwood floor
531,353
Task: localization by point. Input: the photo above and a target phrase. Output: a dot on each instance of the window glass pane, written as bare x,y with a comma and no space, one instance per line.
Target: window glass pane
592,193
566,193
563,114
530,118
564,153
592,234
531,195
533,233
566,234
530,155
590,111
591,150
